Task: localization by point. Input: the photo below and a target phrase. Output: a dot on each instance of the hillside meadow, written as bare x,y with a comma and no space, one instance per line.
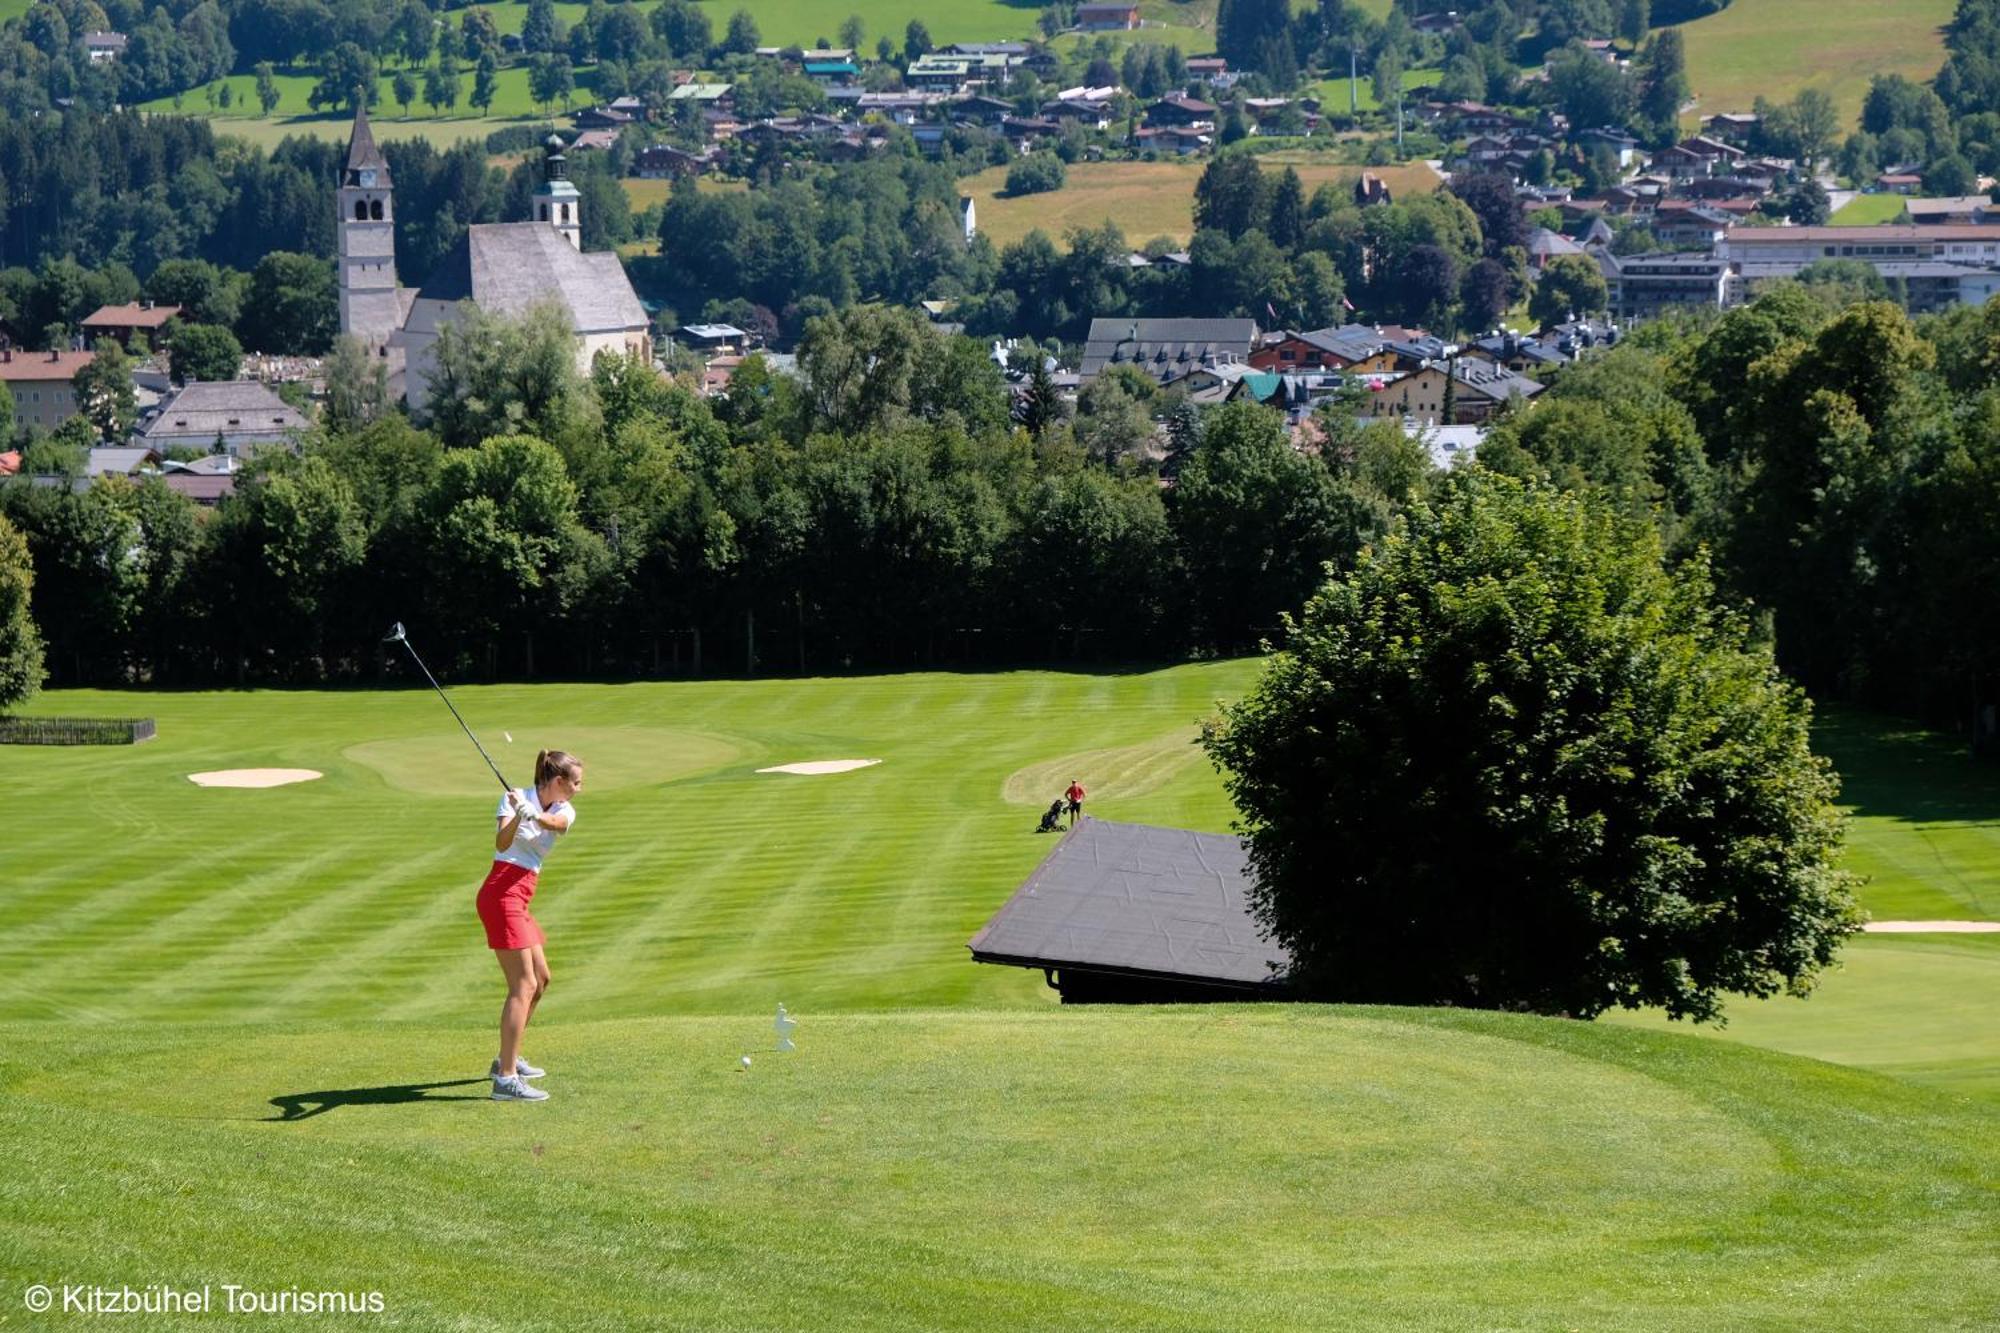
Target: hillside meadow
1146,199
1775,48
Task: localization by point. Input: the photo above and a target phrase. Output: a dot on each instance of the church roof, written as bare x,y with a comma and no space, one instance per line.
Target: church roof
505,268
361,149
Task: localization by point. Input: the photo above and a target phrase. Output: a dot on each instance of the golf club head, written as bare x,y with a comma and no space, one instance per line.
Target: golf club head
395,634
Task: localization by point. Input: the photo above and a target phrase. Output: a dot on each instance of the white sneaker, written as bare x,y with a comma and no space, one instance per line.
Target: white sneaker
517,1089
521,1067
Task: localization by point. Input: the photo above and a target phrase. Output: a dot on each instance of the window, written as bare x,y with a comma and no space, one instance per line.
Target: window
565,212
544,211
375,209
360,210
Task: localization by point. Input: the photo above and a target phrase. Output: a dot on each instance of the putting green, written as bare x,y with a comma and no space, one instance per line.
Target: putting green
1918,1007
614,758
1119,773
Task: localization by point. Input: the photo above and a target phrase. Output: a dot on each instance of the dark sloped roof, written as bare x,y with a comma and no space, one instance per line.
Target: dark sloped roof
1136,900
1158,344
506,267
361,149
234,409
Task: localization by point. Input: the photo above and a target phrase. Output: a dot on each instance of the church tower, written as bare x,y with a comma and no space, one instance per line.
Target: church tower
370,308
556,200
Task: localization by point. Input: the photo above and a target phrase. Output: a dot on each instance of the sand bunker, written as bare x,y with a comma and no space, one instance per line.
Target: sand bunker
812,766
1934,927
253,777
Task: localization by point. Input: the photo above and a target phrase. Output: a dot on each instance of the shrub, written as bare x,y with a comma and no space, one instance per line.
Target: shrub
1037,173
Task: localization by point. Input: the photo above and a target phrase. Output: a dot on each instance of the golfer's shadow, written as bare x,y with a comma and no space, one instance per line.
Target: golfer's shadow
306,1105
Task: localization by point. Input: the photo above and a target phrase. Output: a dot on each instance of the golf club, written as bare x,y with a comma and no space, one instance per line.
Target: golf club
396,635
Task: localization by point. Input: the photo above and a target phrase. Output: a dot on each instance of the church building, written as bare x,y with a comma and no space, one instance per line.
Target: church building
502,268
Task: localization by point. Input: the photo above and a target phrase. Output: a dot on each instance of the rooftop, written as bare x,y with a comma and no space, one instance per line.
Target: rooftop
1137,901
230,409
132,315
22,365
508,267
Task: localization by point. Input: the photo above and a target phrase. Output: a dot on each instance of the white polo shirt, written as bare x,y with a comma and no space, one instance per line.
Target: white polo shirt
531,842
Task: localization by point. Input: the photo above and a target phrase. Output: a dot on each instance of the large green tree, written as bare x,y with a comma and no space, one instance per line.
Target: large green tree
204,352
20,642
496,376
294,307
1571,287
1256,522
104,392
1515,761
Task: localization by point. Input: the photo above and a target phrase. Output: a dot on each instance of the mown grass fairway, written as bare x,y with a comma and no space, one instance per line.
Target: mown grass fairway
1773,48
704,887
1146,199
244,1036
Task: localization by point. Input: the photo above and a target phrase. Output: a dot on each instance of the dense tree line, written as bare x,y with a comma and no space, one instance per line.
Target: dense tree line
1841,460
895,504
882,510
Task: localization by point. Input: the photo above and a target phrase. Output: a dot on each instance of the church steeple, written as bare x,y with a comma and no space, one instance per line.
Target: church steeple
369,307
363,157
556,200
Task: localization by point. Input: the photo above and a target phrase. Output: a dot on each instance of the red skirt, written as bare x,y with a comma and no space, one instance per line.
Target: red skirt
503,908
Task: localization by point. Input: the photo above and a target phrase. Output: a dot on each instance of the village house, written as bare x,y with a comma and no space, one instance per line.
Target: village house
1623,147
1174,139
1179,111
832,73
1107,18
1323,349
1166,349
126,322
235,417
1970,210
1642,286
602,118
1479,390
664,161
102,47
708,96
1683,224
1730,126
40,383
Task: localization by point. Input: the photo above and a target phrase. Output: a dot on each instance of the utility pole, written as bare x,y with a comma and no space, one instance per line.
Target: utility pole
1353,83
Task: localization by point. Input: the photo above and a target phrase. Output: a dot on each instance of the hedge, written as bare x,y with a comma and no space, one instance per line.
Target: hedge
75,730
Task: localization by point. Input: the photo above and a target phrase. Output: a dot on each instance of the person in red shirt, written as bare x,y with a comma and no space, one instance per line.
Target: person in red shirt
1075,798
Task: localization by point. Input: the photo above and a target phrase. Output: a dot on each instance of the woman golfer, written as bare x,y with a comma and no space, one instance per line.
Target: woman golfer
531,819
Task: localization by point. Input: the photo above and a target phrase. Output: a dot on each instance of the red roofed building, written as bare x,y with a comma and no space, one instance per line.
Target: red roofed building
40,383
124,321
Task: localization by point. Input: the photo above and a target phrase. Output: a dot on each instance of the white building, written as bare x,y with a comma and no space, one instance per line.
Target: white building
503,268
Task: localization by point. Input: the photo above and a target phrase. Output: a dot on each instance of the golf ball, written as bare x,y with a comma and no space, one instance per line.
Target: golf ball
746,1062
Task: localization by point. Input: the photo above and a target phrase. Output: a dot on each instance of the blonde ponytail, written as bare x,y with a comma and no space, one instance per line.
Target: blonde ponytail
553,764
